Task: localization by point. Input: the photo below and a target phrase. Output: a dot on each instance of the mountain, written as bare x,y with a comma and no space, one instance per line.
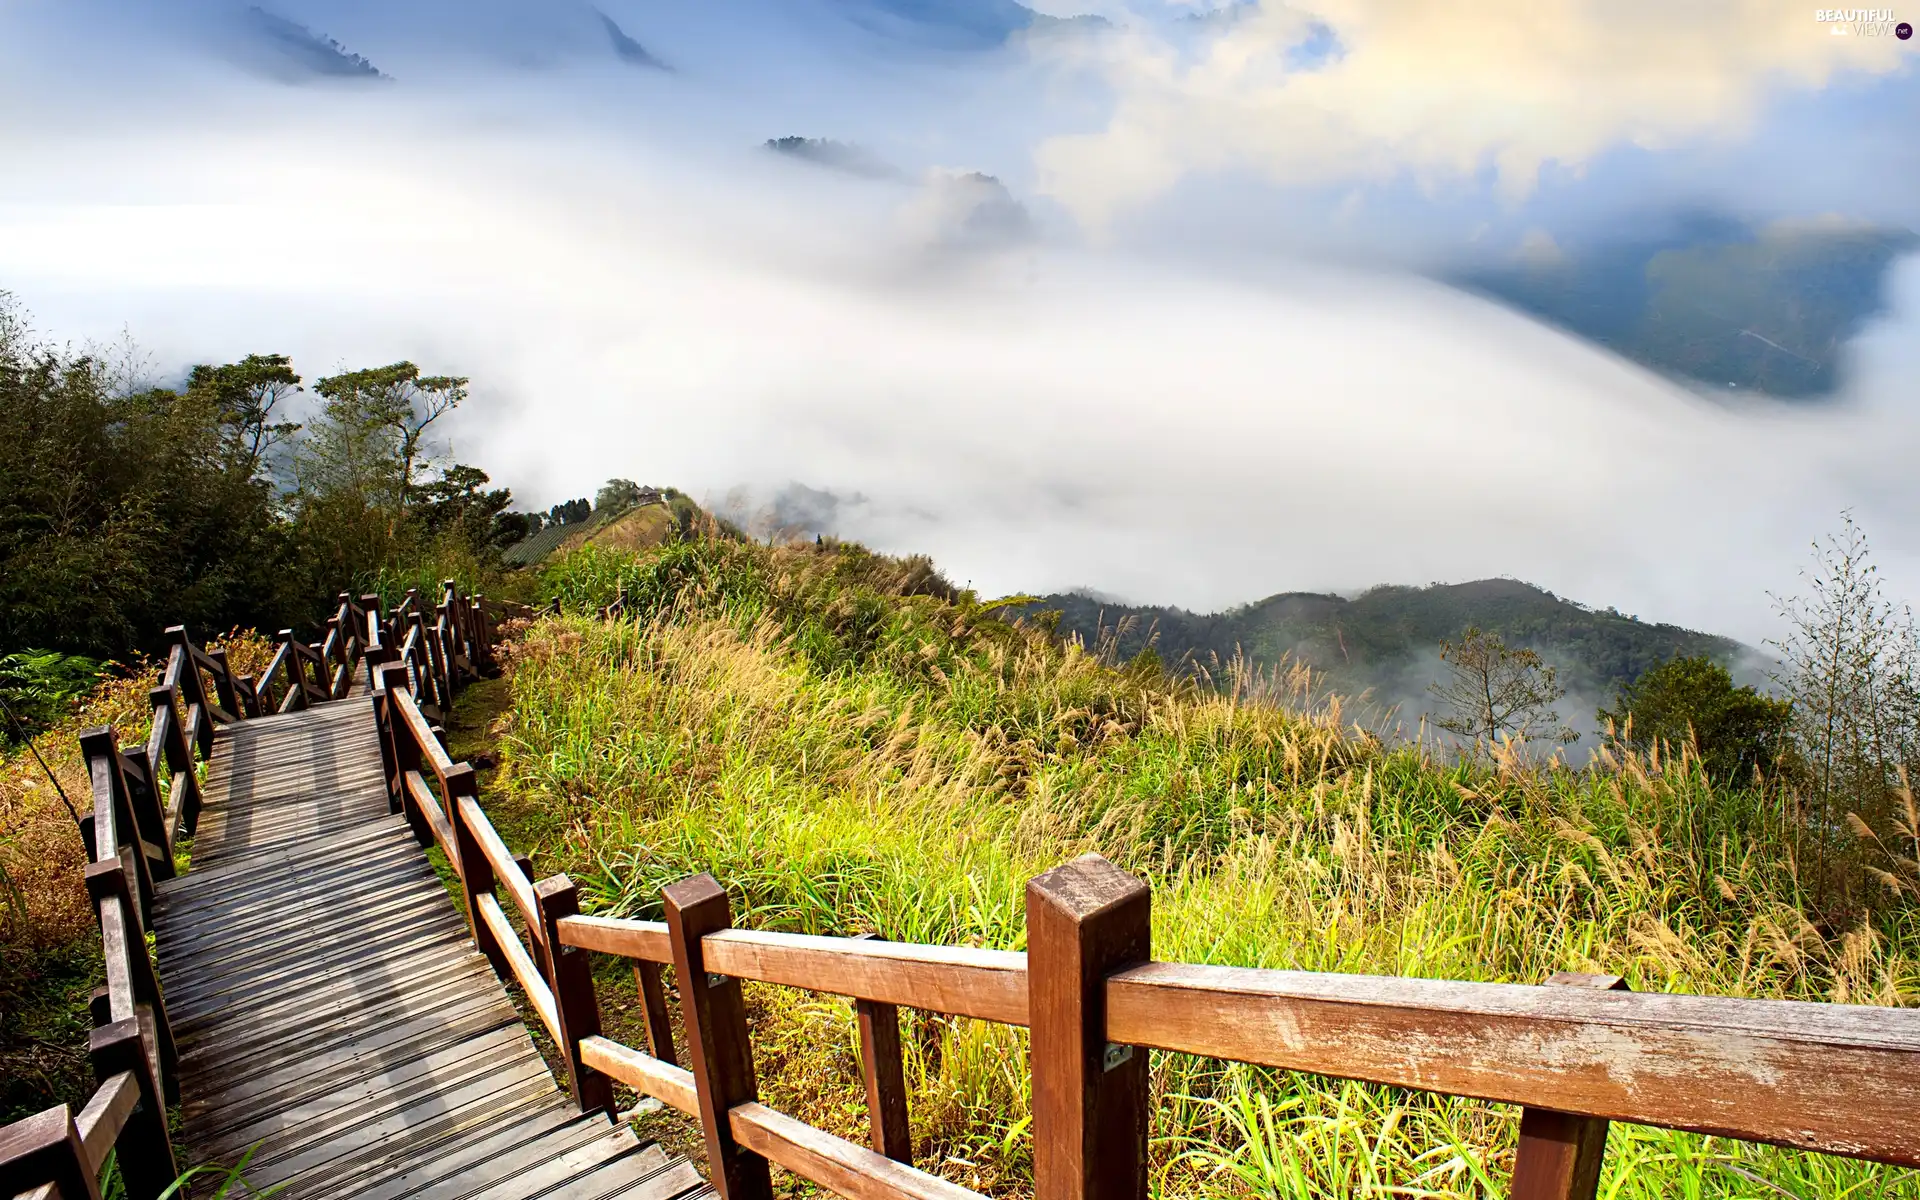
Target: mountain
1386,640
625,48
291,50
1714,301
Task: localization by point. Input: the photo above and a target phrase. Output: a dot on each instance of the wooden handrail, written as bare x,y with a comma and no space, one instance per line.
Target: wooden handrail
129,836
643,1073
539,994
506,870
834,1162
1839,1075
423,796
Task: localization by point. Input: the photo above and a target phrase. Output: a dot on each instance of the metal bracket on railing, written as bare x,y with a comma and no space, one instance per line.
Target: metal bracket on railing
1115,1055
715,979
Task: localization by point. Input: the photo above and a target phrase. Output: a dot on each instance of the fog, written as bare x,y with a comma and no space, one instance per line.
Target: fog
1066,380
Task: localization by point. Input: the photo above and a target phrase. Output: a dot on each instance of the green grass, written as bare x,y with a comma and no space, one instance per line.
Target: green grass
850,744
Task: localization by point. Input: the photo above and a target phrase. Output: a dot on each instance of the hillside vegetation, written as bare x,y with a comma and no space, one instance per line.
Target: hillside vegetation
1383,641
850,743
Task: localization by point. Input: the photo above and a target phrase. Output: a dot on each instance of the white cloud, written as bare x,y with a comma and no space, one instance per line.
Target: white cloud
633,301
1438,91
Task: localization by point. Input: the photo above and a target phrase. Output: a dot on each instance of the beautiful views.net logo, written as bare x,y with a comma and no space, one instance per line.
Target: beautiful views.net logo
1863,22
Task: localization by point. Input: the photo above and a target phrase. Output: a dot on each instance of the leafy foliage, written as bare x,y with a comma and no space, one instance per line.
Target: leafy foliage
1693,700
41,687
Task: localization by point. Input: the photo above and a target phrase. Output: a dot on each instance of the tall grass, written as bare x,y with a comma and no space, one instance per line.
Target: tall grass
851,744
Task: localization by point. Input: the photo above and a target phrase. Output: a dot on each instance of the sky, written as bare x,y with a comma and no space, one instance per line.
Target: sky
1186,345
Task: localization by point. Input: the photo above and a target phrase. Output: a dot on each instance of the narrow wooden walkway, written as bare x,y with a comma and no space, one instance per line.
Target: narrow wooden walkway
329,1005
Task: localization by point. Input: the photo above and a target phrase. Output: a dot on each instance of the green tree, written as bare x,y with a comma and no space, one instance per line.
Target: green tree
119,514
1694,700
247,397
370,438
1495,691
459,504
617,495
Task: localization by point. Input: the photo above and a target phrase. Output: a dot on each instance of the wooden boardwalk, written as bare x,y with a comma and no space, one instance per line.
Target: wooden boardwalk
329,1005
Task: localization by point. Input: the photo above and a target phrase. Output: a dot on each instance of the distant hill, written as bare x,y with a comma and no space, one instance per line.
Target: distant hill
641,527
291,50
1715,301
1387,639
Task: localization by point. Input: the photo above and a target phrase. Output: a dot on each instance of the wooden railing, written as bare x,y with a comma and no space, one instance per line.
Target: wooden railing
136,822
1575,1055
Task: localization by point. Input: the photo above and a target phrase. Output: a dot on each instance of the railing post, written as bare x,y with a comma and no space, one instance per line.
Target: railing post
888,1126
107,884
570,974
387,679
476,873
149,810
1560,1155
223,685
715,1018
143,1151
190,680
1085,921
653,1004
296,670
179,755
46,1148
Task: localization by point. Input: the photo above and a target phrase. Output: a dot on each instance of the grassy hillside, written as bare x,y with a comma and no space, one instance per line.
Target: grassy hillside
850,743
1385,639
1731,308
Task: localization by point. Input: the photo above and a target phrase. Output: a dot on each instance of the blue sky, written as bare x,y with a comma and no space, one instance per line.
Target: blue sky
1189,349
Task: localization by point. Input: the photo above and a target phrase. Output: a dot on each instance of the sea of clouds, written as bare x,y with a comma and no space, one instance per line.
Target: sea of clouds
1181,347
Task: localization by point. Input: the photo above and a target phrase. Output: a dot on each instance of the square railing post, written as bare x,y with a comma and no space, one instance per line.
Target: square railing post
476,872
570,975
144,1152
1085,921
715,1017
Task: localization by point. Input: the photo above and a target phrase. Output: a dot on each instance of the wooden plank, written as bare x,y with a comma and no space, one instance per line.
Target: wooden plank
538,994
715,1017
646,1174
395,1118
1559,1156
643,1073
503,1053
990,985
541,1177
422,1140
100,1122
374,985
835,1163
1085,920
1833,1078
506,868
507,1151
452,1164
278,1076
